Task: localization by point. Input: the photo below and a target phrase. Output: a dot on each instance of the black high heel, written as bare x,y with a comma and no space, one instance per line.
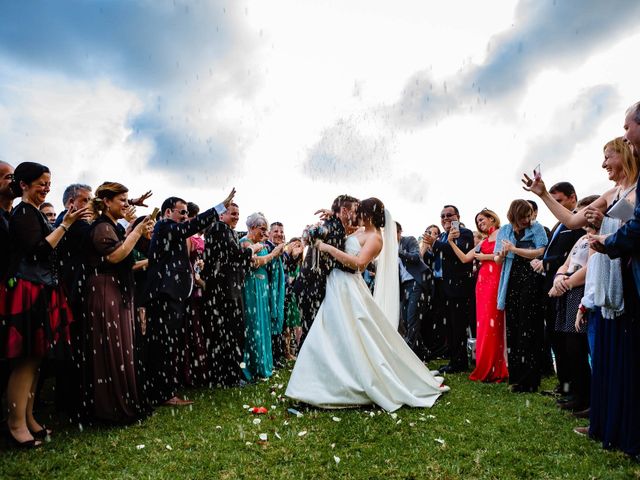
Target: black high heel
42,434
28,444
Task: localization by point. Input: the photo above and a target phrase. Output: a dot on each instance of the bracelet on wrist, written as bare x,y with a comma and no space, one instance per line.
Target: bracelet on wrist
64,227
583,309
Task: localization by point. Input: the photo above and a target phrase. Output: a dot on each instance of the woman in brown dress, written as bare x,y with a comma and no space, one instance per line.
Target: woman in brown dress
110,308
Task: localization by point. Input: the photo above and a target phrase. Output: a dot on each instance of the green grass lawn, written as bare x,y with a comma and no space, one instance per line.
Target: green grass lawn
474,431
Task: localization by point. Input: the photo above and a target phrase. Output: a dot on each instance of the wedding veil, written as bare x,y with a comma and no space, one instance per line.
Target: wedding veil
386,292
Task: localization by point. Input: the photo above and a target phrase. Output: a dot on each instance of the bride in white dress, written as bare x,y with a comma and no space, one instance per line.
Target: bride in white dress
353,354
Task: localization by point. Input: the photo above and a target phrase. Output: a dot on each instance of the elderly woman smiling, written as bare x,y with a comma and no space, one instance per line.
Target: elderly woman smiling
258,357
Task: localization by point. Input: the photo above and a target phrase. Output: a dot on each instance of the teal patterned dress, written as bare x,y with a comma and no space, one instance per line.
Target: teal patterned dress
258,357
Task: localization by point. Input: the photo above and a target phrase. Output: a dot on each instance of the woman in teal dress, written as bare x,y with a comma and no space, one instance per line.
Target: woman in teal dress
258,357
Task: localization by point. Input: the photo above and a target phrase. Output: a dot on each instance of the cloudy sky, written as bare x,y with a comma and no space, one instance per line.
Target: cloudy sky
293,102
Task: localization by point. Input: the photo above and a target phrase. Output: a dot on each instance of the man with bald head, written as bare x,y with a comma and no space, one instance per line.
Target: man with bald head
6,202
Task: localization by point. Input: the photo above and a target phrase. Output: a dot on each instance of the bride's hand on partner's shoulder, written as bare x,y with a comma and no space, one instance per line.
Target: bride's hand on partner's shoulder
324,213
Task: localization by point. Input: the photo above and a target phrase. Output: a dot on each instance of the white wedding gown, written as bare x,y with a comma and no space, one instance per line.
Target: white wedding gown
354,356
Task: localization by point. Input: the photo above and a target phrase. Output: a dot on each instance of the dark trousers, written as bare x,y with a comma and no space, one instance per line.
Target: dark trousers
309,302
457,314
563,360
577,349
434,331
277,349
413,301
165,330
550,343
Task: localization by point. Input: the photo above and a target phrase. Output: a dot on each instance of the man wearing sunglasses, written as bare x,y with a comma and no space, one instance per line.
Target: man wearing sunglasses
170,281
454,288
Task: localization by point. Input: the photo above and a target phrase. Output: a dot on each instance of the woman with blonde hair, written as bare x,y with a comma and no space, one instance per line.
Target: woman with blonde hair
614,379
115,393
491,361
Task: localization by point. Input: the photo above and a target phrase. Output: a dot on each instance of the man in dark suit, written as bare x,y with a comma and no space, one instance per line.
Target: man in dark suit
416,284
225,265
6,203
454,288
170,281
560,244
310,286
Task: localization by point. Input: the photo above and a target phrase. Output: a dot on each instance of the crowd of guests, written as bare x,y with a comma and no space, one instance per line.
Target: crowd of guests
124,311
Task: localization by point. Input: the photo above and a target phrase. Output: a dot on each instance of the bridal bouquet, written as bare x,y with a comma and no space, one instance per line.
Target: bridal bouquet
316,232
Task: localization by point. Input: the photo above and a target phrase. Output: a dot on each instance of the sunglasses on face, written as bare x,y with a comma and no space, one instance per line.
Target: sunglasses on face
181,212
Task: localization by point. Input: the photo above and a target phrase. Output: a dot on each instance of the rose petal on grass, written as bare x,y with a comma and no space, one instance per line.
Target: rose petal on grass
278,436
439,440
139,447
466,420
336,419
302,433
168,447
336,459
394,415
399,422
256,421
263,437
246,407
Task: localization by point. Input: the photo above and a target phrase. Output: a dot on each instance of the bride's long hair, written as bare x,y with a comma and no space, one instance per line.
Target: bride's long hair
386,291
372,209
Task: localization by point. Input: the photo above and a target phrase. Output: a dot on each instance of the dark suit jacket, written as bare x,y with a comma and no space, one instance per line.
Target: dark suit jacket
626,242
458,277
169,271
409,253
5,244
225,262
557,251
311,281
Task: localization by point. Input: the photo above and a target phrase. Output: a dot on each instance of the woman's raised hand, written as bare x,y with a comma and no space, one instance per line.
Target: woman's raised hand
535,184
278,250
139,202
256,247
145,226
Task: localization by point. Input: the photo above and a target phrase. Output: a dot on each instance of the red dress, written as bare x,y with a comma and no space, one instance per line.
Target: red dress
491,358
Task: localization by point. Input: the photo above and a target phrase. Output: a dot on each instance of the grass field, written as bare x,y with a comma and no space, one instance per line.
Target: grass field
474,431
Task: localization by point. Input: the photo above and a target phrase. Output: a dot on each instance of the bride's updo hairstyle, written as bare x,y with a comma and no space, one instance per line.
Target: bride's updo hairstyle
372,209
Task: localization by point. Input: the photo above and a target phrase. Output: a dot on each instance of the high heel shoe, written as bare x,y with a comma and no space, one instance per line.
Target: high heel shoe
28,444
42,434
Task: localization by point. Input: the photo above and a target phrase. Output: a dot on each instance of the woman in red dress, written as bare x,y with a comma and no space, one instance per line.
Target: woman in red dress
491,361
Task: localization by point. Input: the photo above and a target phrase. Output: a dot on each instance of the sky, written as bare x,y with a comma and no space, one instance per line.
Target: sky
293,102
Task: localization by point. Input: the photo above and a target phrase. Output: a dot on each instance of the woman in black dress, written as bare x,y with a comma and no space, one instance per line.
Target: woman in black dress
520,294
34,315
110,308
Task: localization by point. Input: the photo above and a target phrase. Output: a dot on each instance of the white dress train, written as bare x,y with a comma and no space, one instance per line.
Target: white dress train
354,356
